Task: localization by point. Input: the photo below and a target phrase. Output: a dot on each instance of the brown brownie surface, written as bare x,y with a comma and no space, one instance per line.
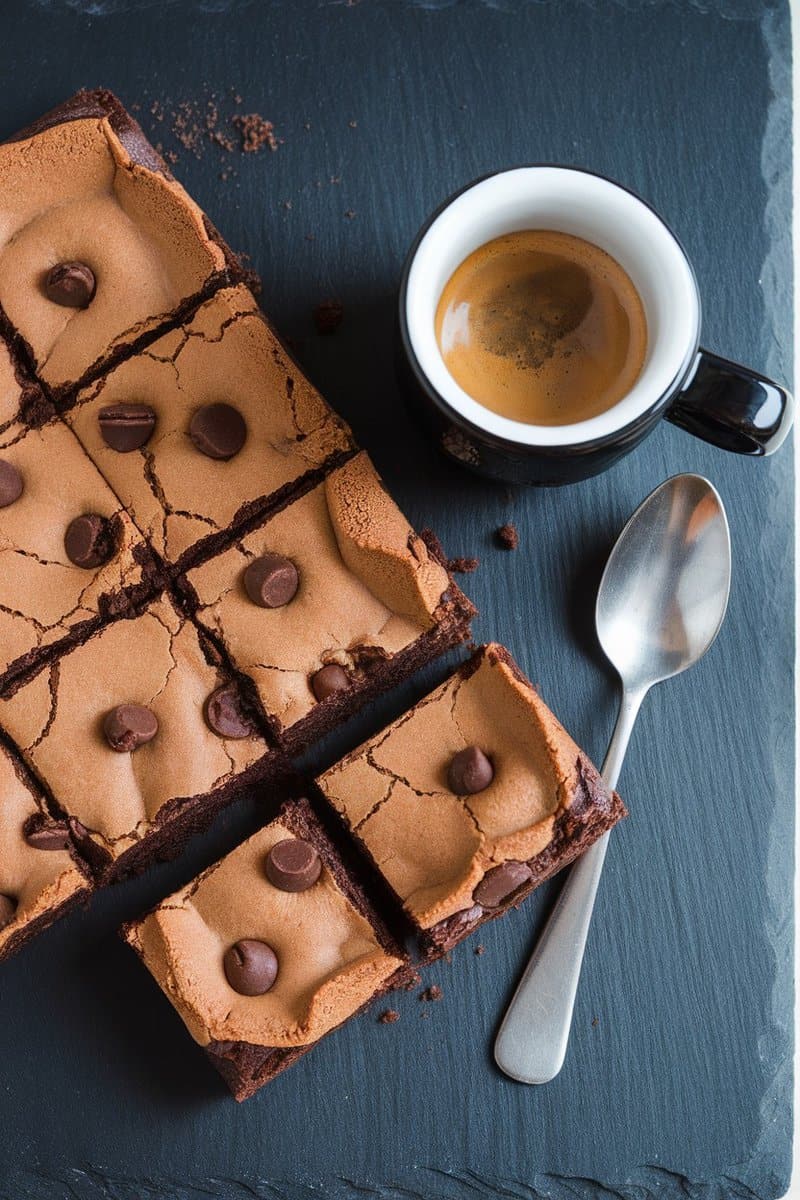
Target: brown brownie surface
334,955
454,859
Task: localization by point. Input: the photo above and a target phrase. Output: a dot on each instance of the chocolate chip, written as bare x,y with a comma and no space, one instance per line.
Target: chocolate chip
126,427
251,967
293,865
271,581
70,284
501,882
218,430
8,908
11,483
224,715
46,835
129,726
470,771
89,540
329,680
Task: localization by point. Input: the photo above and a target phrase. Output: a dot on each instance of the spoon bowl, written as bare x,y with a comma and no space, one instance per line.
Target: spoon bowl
664,591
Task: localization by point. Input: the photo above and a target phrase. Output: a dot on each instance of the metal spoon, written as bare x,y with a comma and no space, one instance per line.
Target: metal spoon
661,603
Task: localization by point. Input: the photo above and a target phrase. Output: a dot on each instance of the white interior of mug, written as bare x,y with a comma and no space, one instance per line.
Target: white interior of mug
587,206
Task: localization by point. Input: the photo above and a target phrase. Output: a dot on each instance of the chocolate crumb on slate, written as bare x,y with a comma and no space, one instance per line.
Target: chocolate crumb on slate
434,992
328,316
480,950
507,537
595,1022
389,1017
256,131
414,982
463,566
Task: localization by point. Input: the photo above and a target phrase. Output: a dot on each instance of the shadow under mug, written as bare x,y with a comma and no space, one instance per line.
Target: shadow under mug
723,403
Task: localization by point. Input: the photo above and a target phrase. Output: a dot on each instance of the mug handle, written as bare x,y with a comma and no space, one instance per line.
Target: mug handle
733,407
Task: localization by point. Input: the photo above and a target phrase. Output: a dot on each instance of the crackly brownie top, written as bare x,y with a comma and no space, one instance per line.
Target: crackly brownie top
96,244
454,797
121,725
37,870
21,400
316,960
65,541
211,417
322,592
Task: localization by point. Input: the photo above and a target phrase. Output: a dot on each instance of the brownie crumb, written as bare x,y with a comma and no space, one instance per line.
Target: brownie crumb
414,982
595,1022
256,131
350,213
389,1017
480,950
434,992
328,316
463,566
507,537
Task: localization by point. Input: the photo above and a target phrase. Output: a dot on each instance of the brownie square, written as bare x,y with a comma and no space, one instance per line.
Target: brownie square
458,842
132,805
41,874
372,604
69,553
333,953
83,186
178,494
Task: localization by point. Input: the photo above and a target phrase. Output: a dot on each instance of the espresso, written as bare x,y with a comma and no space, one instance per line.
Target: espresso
542,327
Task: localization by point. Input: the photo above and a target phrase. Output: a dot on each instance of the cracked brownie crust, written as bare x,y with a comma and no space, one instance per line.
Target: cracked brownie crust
177,494
334,955
455,859
47,599
83,185
41,875
132,804
371,596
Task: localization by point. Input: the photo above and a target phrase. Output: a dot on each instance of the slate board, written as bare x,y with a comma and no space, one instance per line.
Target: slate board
678,1075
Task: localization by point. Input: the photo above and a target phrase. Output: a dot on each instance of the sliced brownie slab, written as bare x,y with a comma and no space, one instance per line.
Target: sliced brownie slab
470,799
330,601
100,245
139,737
268,950
70,555
211,424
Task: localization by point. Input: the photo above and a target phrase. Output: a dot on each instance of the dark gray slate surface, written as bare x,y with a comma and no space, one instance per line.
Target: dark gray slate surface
678,1077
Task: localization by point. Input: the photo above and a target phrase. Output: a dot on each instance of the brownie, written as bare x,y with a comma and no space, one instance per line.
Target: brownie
130,736
365,602
179,490
269,950
69,553
470,800
100,245
22,402
41,874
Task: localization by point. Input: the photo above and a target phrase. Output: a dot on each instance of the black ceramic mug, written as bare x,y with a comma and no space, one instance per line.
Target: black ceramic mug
716,400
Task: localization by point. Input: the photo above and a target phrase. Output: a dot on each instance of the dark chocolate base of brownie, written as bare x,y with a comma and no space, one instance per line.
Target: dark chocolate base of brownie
592,813
178,822
101,103
113,606
33,928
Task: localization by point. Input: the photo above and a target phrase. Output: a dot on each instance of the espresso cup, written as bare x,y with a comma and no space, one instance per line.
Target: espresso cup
717,400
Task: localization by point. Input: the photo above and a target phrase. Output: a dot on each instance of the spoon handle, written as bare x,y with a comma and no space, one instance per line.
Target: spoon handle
532,1040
